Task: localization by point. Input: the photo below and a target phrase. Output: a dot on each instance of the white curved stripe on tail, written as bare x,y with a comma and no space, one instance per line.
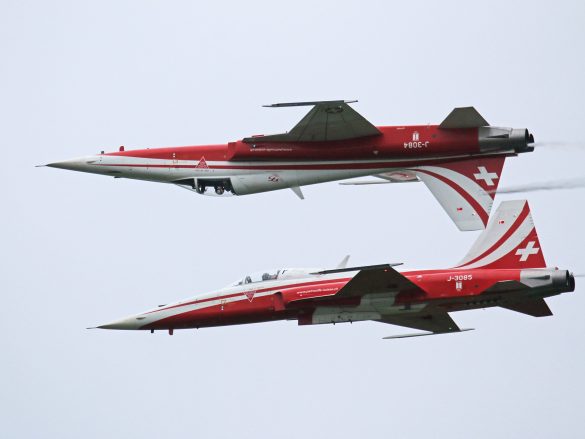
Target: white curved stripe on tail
509,241
466,184
464,188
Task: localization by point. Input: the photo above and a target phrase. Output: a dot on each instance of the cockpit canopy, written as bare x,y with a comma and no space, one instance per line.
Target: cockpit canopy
268,275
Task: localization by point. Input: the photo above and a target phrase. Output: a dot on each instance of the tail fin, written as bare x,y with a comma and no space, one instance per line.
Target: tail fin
465,188
509,241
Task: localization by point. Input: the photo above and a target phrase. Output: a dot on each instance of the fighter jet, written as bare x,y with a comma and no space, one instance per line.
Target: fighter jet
505,267
460,160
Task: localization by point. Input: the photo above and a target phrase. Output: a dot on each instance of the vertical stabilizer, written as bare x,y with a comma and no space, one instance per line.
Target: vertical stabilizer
465,188
509,241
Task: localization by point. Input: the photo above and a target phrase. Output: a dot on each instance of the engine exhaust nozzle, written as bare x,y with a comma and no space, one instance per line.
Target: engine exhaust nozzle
494,139
563,281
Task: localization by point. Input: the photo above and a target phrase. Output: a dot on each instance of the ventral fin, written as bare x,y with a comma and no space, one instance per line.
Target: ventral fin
298,192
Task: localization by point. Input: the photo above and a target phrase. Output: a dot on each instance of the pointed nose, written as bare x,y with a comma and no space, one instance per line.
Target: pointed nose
134,322
79,164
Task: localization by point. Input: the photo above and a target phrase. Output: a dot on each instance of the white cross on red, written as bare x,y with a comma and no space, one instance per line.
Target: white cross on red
527,251
486,176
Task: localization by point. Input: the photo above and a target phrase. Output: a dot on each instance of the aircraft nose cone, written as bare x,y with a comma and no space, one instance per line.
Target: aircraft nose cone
134,322
81,164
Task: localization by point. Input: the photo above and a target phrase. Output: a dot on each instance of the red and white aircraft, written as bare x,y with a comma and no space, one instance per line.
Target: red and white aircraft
460,160
505,267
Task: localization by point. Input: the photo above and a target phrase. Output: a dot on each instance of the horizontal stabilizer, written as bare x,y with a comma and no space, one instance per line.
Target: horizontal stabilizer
532,307
464,117
507,286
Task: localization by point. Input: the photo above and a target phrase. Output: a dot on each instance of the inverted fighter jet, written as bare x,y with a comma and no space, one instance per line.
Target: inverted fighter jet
460,160
505,267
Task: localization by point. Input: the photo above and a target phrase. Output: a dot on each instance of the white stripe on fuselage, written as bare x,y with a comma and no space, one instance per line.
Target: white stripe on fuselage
142,161
166,170
239,294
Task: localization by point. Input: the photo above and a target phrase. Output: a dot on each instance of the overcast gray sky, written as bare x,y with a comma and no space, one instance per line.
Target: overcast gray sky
79,250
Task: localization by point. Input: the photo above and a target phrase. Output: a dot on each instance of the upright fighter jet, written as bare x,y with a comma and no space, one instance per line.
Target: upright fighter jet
460,160
505,267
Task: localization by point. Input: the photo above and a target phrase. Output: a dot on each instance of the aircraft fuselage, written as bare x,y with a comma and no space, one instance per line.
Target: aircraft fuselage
245,167
311,299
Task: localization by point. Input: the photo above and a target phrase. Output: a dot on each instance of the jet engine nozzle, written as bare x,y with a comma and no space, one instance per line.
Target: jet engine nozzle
563,280
493,139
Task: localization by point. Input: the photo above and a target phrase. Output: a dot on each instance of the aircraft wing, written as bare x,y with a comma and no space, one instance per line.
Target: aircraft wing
436,322
378,279
370,279
327,121
383,278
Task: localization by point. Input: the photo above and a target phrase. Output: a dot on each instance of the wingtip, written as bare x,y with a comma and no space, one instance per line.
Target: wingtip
309,103
424,334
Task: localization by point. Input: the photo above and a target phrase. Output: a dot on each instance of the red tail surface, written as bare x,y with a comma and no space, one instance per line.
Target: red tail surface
465,188
509,241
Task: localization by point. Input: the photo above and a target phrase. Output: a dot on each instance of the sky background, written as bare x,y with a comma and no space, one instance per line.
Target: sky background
78,250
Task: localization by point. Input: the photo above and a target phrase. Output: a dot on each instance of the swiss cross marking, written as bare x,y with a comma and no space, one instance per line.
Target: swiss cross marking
524,253
486,176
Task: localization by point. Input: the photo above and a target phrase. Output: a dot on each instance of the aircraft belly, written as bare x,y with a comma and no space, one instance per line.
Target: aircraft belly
248,176
343,316
307,177
372,307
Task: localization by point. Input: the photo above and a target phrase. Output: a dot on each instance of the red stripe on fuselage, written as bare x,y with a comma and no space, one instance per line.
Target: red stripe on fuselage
307,167
394,141
243,293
